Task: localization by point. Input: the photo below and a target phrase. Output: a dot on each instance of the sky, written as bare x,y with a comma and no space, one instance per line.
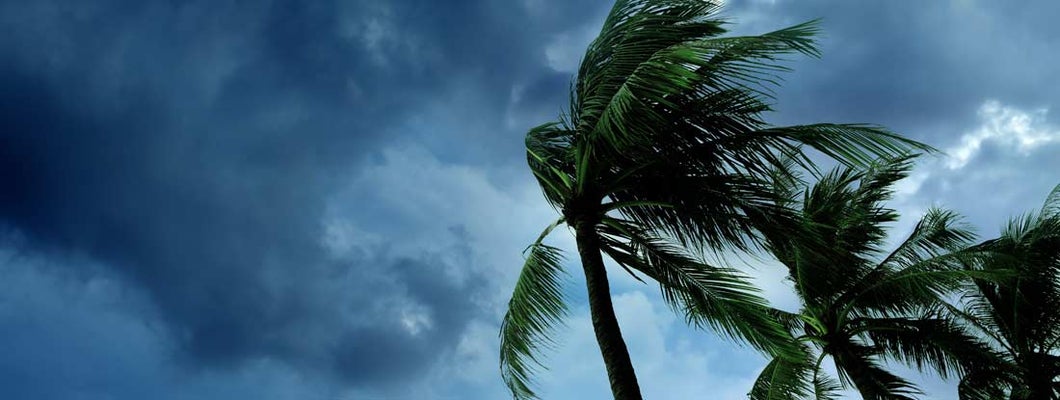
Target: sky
328,199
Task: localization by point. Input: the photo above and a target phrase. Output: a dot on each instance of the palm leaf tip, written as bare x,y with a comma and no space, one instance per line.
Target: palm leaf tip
535,309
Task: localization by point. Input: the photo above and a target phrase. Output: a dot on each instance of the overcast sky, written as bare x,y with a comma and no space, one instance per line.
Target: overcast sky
327,199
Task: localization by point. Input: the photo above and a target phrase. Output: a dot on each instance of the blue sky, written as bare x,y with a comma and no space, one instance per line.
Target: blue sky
328,199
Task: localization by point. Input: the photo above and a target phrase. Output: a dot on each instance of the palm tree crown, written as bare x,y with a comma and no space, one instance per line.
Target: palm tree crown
1020,314
862,305
664,150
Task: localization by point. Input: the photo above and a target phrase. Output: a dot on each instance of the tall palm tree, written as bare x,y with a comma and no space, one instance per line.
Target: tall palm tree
862,305
1020,315
664,152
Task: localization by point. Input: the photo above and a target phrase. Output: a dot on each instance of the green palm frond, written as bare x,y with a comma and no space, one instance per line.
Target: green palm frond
840,230
791,321
826,387
716,211
931,343
939,232
687,70
927,265
855,145
547,148
1018,311
784,379
916,288
1051,207
535,308
709,296
857,366
985,384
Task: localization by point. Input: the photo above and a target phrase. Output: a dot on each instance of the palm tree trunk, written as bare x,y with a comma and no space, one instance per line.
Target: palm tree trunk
608,335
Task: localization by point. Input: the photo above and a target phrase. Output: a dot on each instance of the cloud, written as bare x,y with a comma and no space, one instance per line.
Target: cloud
988,172
916,70
192,150
1004,126
70,329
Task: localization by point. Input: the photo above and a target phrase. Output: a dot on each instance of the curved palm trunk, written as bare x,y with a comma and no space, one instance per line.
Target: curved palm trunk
608,335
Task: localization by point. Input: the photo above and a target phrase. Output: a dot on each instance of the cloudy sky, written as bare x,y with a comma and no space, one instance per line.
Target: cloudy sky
327,200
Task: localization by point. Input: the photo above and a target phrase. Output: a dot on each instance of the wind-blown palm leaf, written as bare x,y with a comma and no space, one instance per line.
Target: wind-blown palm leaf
535,308
921,269
685,71
1018,313
862,305
939,232
842,229
717,211
913,289
546,153
985,383
856,365
825,387
787,380
720,298
933,343
855,145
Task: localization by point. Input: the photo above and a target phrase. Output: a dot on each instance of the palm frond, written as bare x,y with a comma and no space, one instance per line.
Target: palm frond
1017,312
916,288
855,145
939,232
1051,207
713,211
930,343
857,366
784,379
536,307
985,384
686,71
547,154
709,296
841,218
826,387
791,321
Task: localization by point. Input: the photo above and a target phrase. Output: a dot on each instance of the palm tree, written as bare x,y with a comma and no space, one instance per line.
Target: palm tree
664,152
862,305
1019,315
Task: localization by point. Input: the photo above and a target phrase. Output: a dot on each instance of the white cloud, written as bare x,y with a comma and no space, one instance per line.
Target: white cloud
1014,132
1013,128
432,206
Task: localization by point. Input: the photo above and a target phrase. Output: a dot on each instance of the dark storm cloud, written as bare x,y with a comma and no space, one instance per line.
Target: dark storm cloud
925,70
915,67
191,146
